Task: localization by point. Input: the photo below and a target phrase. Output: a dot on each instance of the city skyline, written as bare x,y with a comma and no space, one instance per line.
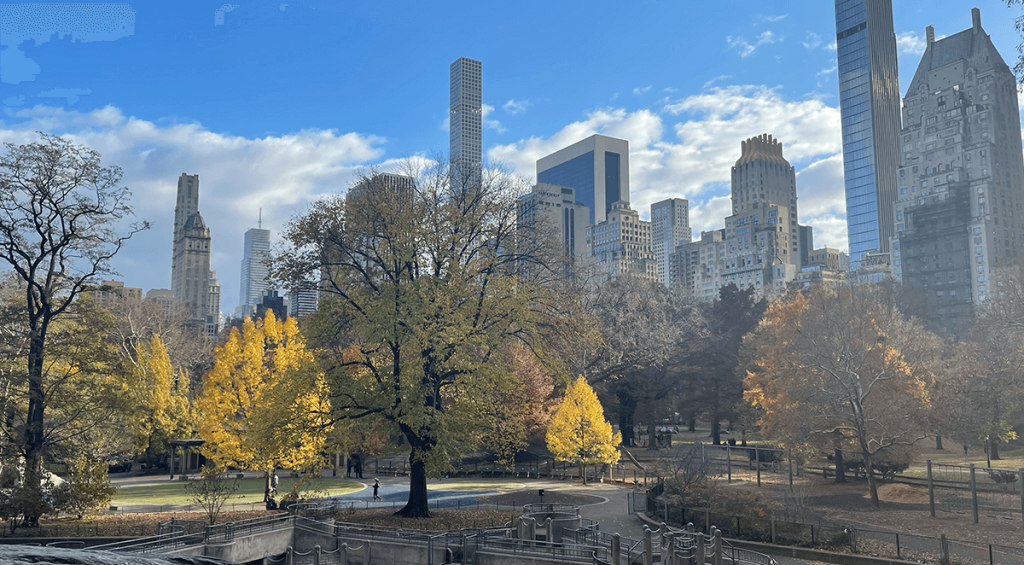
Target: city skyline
769,70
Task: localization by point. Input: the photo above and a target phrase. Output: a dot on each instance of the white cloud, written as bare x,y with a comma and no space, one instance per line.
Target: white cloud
486,110
812,41
910,43
514,106
696,162
828,70
238,176
771,19
718,78
832,46
746,49
641,90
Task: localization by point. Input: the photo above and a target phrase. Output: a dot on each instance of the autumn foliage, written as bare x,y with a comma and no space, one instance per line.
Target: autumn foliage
265,403
579,433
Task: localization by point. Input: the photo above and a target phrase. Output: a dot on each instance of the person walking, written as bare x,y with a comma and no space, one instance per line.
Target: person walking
376,488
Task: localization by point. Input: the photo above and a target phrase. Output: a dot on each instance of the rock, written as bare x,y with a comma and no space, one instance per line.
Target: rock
29,555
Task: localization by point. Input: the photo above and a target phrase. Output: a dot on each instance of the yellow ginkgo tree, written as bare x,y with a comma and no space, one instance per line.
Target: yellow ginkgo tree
579,433
158,405
265,403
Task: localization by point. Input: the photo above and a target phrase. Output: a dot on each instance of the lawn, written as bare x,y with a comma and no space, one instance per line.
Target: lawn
249,490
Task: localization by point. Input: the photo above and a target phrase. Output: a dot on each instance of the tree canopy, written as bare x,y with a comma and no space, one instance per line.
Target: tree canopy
264,405
425,285
579,433
837,368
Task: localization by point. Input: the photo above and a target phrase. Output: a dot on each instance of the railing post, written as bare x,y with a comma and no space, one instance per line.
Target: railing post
944,548
718,547
1020,487
668,554
757,463
648,547
974,494
316,555
728,461
931,490
289,556
789,459
616,549
698,549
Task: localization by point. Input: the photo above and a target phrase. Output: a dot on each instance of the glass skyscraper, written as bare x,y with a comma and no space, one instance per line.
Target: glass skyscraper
254,271
465,121
869,98
596,167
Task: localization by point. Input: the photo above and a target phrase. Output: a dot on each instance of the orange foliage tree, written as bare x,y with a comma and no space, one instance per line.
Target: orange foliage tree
838,368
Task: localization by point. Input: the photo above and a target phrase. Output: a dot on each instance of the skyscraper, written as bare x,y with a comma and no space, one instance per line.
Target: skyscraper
869,98
670,227
465,121
762,244
192,282
596,167
551,214
254,270
961,184
620,245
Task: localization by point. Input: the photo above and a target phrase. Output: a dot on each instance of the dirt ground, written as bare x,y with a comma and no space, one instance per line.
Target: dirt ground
904,509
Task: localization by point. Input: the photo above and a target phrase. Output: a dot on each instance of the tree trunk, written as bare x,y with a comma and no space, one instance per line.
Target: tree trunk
583,473
417,506
34,420
869,470
938,442
693,423
651,436
716,430
627,409
840,466
993,449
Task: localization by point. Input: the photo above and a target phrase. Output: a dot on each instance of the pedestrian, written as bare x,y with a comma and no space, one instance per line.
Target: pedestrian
376,488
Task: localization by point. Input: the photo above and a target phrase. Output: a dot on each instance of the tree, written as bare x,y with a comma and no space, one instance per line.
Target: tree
715,387
641,324
88,489
156,402
58,219
579,433
264,405
1018,23
426,284
836,368
211,491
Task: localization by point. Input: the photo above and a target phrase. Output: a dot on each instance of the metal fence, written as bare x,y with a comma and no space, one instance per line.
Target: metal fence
836,537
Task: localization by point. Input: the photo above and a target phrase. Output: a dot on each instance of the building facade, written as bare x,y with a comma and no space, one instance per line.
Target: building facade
253,282
551,215
670,227
465,121
597,168
113,294
620,245
961,184
192,282
762,244
303,301
869,100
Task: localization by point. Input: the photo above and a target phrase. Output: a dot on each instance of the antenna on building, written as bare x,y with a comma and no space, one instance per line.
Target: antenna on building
259,222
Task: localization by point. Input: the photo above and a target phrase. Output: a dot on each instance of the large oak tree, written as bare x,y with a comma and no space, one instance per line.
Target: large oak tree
426,282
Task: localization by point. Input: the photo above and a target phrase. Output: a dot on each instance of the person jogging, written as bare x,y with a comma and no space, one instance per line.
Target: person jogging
376,488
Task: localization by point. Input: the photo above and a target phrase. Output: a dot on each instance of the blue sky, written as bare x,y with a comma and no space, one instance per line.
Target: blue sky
275,103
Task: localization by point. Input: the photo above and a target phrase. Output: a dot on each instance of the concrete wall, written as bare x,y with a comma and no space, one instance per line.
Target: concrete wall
485,557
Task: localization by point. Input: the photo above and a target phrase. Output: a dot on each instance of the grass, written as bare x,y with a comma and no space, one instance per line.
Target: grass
249,490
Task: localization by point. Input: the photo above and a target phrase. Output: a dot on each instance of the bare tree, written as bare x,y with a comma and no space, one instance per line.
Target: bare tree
59,220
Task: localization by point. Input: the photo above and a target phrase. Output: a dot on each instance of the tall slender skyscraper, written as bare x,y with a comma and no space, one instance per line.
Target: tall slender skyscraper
466,120
254,269
192,282
869,97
